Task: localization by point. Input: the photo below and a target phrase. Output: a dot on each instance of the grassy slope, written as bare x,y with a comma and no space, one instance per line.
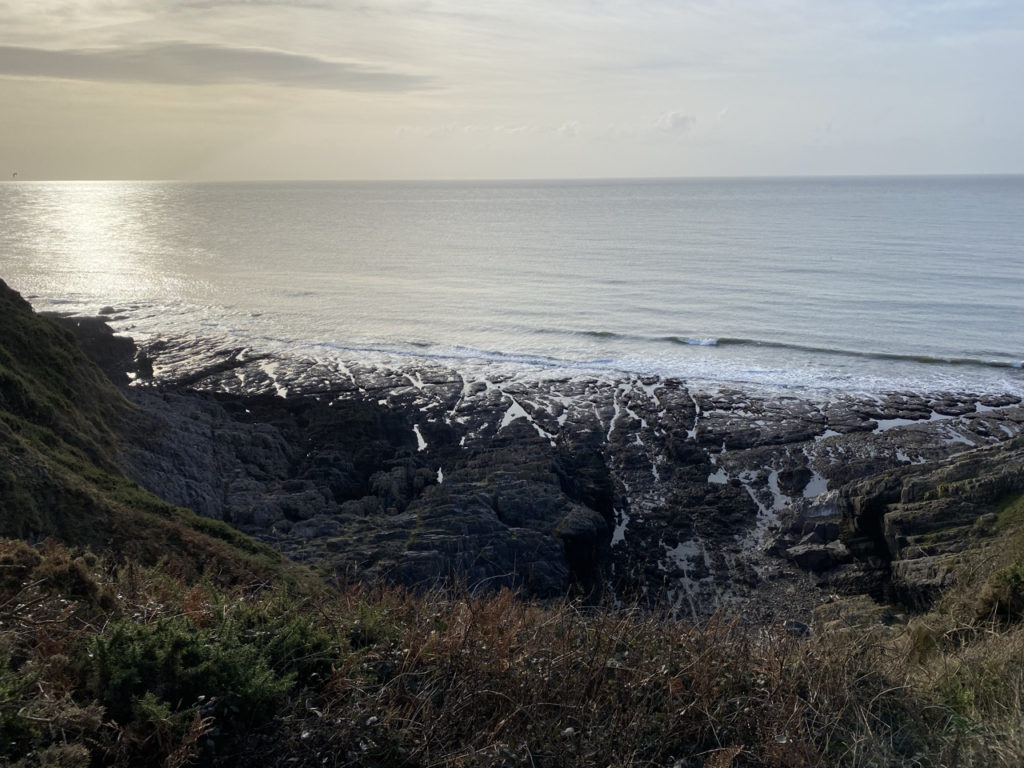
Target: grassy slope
106,666
57,471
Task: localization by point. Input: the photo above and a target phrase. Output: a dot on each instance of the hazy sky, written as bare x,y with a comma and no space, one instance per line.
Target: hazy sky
408,89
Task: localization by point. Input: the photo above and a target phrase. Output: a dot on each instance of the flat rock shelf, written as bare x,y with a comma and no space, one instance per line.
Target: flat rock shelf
619,488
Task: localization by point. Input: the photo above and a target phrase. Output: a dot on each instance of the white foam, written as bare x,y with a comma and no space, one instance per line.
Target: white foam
692,432
682,556
779,500
721,477
516,411
621,521
651,390
615,415
421,444
767,517
340,366
270,368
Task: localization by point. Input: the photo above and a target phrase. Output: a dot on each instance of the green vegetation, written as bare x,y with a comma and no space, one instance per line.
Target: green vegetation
59,419
114,664
153,661
999,576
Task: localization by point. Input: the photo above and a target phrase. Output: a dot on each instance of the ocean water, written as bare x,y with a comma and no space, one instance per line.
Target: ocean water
831,284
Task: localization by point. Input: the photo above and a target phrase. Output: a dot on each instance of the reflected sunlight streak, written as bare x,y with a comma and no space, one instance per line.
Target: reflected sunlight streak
102,241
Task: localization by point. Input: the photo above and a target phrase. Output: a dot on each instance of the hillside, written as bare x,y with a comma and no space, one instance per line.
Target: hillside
58,470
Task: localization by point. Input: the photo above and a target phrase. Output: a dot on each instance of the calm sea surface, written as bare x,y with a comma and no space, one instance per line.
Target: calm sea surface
851,284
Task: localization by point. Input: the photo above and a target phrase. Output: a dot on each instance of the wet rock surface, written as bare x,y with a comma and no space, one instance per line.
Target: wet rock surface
630,487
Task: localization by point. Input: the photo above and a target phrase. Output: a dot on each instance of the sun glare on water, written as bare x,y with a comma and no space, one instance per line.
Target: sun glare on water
95,236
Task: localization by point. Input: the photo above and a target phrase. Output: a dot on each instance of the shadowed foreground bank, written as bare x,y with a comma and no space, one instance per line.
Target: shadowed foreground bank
124,665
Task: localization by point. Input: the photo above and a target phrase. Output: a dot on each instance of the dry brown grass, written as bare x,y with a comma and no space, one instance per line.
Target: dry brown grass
494,681
381,677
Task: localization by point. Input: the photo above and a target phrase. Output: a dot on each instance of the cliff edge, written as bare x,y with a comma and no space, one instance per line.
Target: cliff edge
59,418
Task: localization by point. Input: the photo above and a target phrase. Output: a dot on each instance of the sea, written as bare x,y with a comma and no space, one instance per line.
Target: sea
804,285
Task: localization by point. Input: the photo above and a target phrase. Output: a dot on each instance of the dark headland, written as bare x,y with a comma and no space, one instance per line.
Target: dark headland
703,527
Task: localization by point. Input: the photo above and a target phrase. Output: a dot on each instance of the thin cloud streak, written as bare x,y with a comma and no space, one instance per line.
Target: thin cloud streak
179,63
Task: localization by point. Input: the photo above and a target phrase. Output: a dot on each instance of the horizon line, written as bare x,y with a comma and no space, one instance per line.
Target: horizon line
20,179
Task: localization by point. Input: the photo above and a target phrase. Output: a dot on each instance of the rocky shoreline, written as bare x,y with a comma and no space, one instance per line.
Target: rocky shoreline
628,488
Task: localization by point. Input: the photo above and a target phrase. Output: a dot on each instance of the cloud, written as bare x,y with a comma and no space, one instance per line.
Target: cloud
516,130
570,129
500,129
676,122
179,63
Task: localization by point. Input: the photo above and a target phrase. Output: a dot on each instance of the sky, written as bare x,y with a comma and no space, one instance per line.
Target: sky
439,89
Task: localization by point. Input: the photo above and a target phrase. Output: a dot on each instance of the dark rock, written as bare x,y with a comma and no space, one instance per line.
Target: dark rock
115,355
794,479
920,519
423,474
819,558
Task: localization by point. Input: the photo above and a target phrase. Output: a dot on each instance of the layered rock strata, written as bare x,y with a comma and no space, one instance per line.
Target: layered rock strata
637,488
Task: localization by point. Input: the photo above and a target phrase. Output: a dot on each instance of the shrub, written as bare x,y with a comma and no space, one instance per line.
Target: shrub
183,665
290,642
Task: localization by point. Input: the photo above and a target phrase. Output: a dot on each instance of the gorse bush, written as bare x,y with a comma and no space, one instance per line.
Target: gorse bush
160,661
175,674
290,642
173,661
